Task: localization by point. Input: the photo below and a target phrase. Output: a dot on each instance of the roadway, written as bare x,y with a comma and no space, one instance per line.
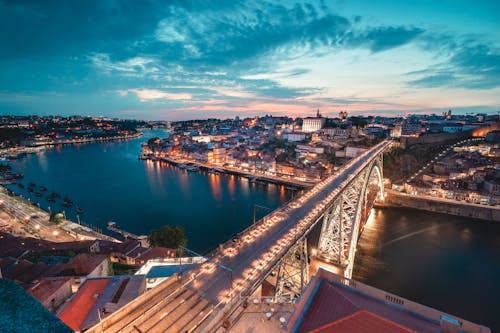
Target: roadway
238,266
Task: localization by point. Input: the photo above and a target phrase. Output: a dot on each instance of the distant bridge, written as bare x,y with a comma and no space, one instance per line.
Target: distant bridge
204,299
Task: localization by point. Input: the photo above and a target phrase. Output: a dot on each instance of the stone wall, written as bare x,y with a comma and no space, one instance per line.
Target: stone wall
483,212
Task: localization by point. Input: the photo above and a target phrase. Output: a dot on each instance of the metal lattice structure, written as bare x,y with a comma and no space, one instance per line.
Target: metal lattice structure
343,221
293,272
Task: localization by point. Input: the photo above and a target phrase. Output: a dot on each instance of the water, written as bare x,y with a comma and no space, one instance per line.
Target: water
449,263
445,262
109,182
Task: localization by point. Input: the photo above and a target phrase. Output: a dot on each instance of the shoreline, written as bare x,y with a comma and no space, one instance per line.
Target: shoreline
87,140
233,171
35,222
33,147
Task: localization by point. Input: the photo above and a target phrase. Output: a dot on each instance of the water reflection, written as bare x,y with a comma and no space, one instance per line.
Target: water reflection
432,259
215,186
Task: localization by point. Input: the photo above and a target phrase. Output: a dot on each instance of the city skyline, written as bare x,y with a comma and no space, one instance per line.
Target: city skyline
203,59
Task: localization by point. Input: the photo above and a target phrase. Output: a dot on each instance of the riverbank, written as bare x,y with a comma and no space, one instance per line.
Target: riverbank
34,143
254,177
440,205
23,218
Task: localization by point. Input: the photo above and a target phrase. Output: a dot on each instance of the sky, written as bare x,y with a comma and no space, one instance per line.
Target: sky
181,59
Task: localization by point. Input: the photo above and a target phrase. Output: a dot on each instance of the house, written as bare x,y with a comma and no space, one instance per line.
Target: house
52,291
89,265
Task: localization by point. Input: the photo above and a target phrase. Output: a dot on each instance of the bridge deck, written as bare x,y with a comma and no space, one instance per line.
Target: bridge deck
255,252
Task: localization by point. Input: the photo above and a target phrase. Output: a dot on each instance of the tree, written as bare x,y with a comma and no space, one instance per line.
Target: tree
168,236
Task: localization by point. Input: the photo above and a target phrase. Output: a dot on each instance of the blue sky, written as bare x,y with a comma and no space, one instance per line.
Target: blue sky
198,59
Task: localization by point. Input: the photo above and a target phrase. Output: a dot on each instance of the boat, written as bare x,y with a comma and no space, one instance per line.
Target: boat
181,166
55,195
20,185
67,203
38,194
50,199
30,189
43,188
79,210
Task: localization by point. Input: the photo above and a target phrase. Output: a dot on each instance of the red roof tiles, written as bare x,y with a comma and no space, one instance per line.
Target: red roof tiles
362,322
78,308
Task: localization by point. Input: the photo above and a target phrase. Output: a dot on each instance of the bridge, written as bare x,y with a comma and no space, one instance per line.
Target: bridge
204,299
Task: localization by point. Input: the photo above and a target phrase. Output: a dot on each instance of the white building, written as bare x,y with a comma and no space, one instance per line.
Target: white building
312,124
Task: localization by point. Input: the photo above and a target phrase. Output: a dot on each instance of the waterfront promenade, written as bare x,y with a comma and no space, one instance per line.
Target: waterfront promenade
23,218
265,177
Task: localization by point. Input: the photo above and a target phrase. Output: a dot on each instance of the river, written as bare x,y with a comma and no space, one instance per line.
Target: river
449,263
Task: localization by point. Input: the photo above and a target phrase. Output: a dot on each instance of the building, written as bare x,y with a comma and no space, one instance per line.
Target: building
294,137
89,265
492,187
351,152
52,292
332,303
312,124
406,129
99,297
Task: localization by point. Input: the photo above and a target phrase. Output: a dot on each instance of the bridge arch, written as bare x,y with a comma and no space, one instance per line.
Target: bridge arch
344,221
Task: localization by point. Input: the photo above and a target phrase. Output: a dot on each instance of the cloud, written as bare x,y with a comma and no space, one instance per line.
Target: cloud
384,38
153,94
469,64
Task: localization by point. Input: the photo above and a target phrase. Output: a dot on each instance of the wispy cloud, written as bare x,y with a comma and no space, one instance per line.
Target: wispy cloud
153,94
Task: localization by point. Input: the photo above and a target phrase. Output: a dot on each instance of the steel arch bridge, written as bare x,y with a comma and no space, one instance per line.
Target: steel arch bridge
204,299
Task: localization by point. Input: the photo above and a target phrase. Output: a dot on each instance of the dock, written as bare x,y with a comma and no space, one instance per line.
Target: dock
113,227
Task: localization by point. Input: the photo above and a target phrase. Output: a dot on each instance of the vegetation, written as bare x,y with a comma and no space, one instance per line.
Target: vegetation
168,236
121,269
400,164
56,217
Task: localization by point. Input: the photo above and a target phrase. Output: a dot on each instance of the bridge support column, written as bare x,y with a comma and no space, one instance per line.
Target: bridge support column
293,272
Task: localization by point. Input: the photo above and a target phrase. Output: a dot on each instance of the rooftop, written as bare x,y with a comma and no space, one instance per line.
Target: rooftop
98,297
78,308
332,303
48,286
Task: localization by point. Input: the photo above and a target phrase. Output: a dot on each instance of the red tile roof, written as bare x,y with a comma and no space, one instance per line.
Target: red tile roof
78,308
333,302
328,305
362,322
84,264
156,252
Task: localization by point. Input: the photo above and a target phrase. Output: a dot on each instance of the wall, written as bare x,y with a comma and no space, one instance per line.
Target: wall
483,212
434,138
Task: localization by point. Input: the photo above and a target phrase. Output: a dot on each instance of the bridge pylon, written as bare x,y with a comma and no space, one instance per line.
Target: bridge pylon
293,272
